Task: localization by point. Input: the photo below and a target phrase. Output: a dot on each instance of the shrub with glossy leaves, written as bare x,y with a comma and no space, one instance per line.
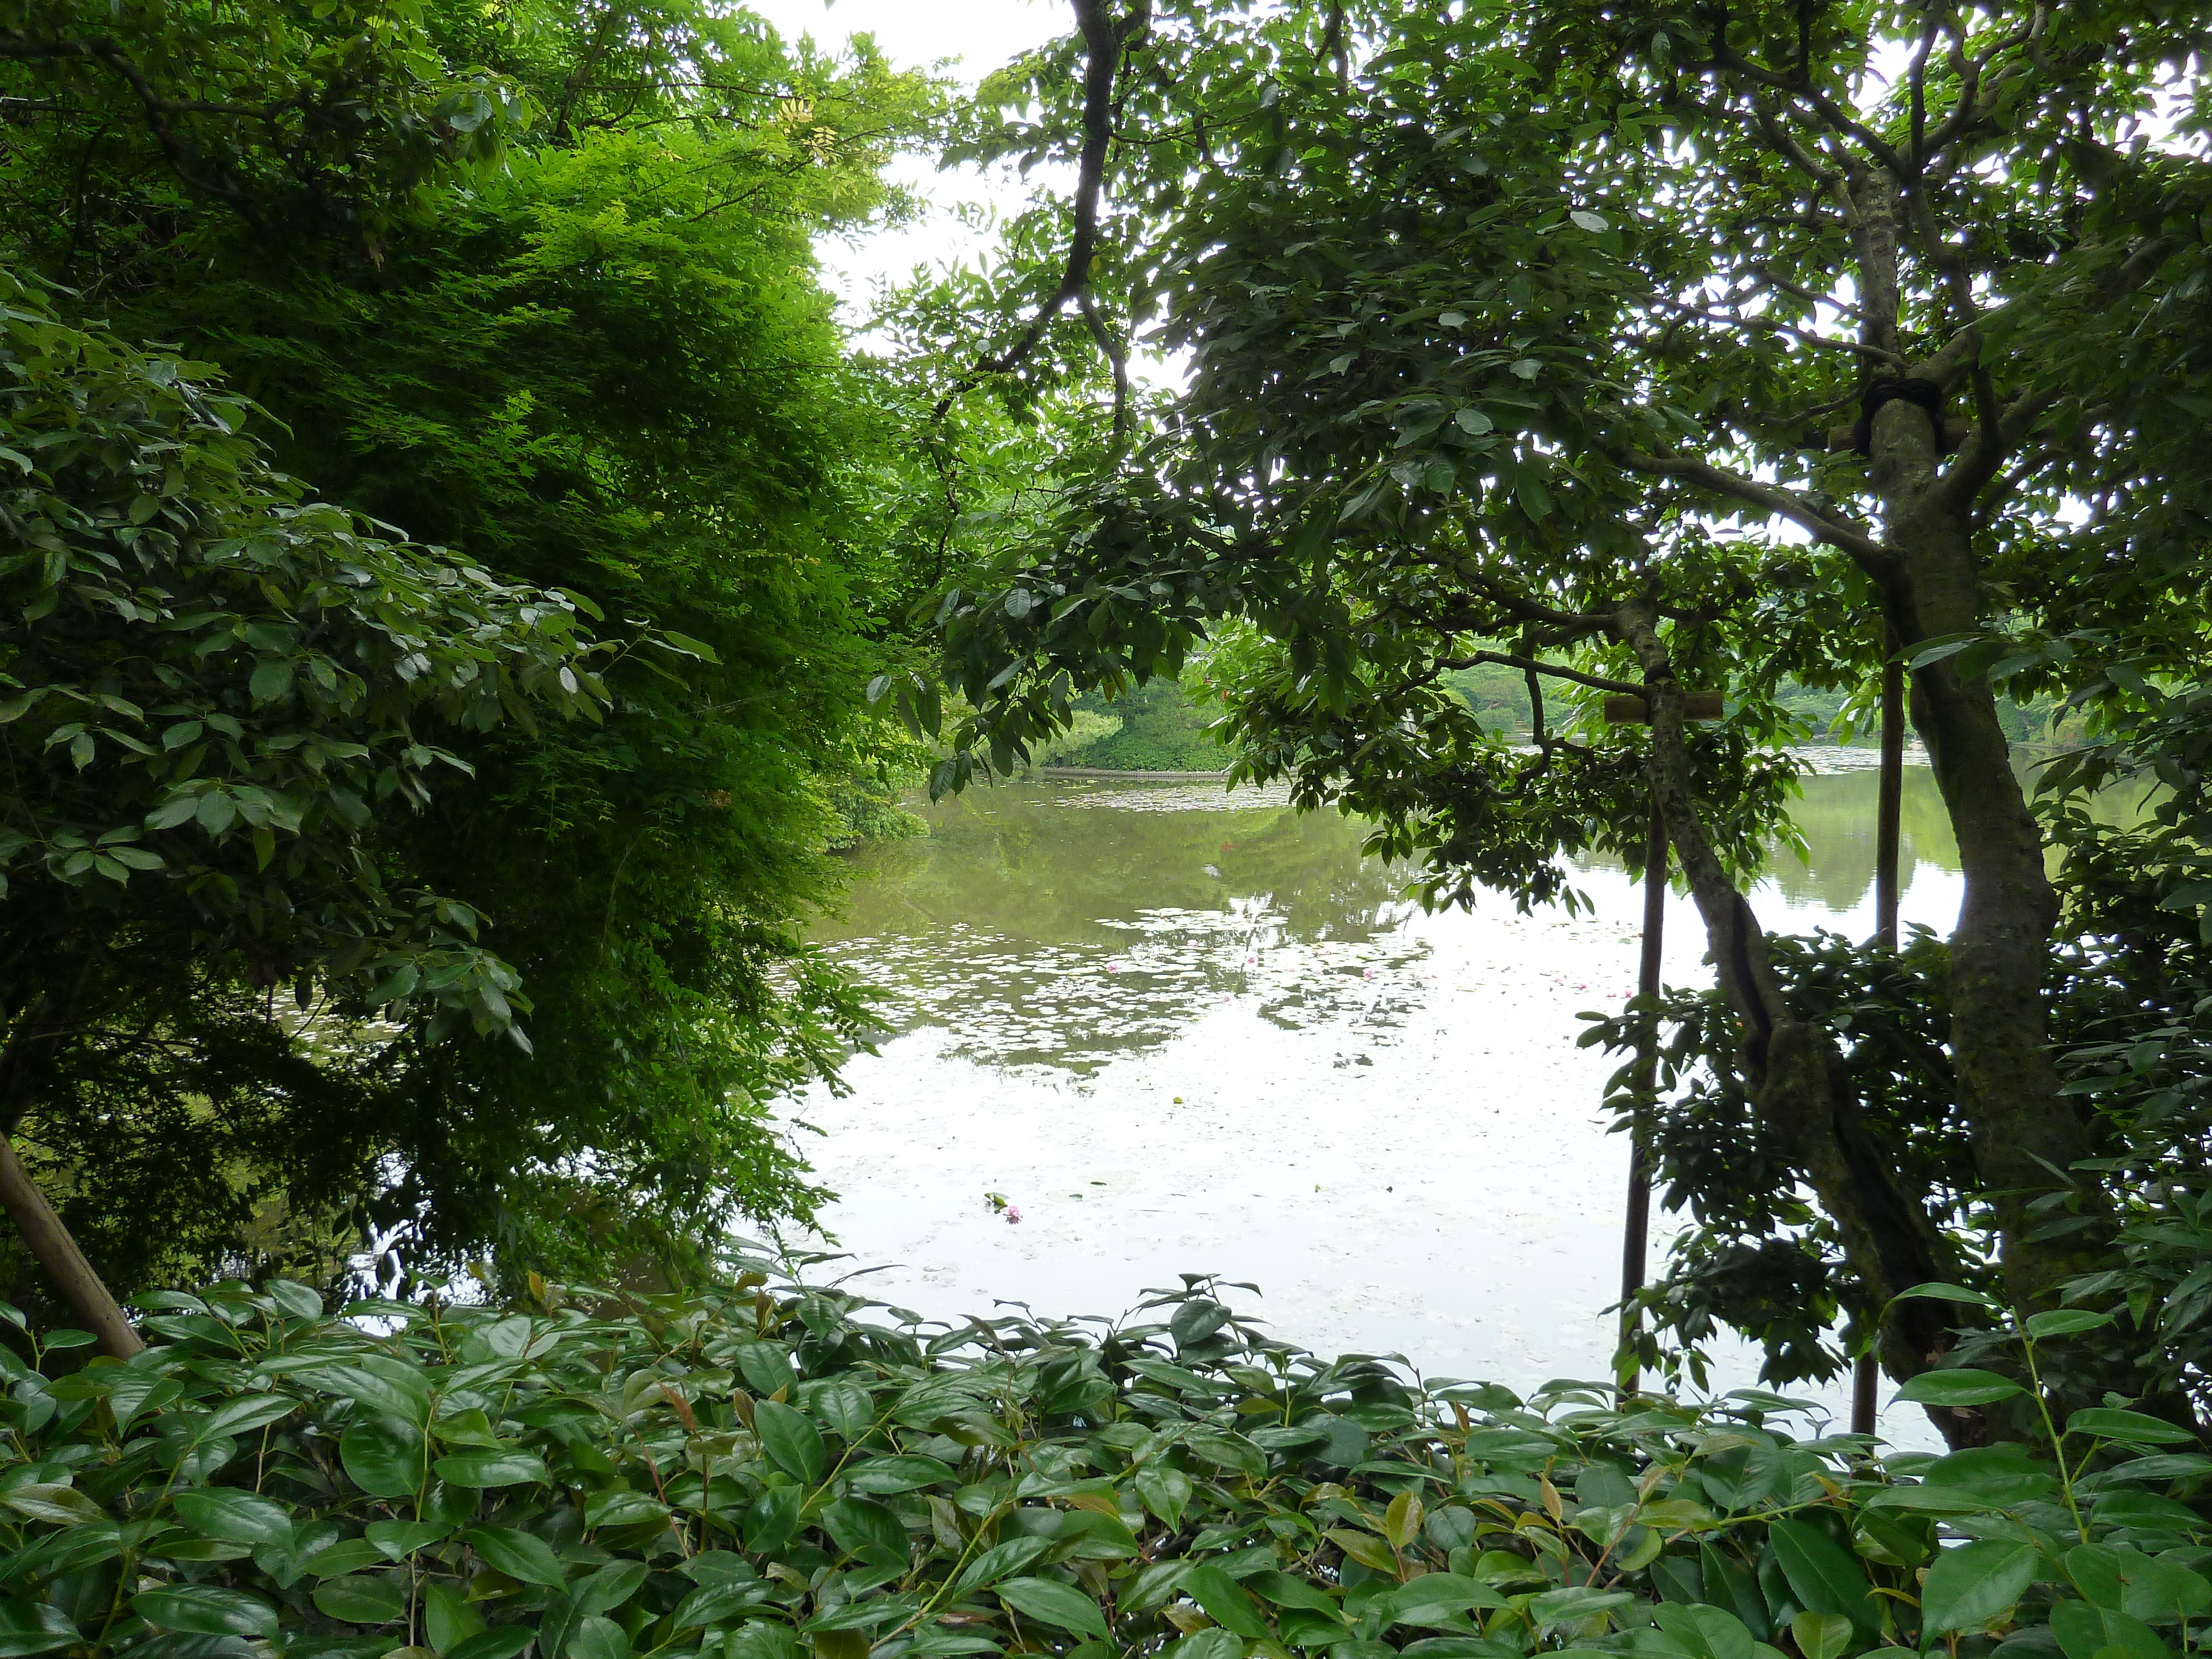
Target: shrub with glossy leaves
763,1470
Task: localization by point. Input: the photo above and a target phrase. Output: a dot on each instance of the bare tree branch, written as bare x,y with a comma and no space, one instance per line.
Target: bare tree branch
1115,354
1768,325
1531,665
1784,503
1102,48
1774,279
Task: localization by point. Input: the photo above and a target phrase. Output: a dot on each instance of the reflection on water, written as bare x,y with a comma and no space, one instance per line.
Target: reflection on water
1836,817
1187,1031
1064,923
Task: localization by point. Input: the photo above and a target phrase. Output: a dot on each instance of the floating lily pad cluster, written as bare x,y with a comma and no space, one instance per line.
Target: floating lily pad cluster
767,1471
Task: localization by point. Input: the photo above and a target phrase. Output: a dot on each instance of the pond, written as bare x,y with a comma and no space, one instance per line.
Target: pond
1183,1031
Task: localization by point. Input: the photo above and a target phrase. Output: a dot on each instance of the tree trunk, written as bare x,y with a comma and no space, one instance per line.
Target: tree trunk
49,1241
1791,1066
2025,1132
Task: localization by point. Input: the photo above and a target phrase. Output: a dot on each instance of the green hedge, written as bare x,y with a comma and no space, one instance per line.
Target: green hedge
759,1473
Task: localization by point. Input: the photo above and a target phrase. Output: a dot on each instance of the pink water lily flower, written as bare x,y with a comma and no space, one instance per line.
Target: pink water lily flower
1013,1215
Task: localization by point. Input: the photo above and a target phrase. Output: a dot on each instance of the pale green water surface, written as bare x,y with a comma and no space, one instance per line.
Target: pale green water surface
1185,1031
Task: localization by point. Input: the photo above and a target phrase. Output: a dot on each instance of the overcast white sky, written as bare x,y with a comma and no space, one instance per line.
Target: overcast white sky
969,37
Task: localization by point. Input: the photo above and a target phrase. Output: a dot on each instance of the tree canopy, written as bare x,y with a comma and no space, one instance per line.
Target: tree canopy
1647,348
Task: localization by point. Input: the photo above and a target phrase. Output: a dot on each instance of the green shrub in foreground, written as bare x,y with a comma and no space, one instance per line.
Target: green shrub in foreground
763,1471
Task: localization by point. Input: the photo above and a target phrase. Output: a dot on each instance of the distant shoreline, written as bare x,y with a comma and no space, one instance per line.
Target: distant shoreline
1914,755
1097,775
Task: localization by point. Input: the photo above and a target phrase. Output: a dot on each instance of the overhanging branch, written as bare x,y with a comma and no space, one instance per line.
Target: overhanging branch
1102,50
1552,669
1784,503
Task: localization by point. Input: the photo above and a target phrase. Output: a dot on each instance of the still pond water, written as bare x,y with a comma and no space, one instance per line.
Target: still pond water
1185,1031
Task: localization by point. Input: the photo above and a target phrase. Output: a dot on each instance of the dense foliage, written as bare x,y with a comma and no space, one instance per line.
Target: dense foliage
212,679
534,283
762,1470
216,691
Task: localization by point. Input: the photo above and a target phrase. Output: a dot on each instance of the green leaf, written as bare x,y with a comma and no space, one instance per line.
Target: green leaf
394,1390
1225,1601
1288,1589
1932,1291
1165,1491
500,1642
1421,1600
1052,1603
1959,1387
272,679
296,1298
51,1502
478,1468
1708,1632
363,1598
1976,1584
606,1589
448,1620
793,1441
241,1517
1931,653
556,1623
2086,1631
349,1556
205,1610
2007,1473
2129,1428
1935,1500
1222,1644
1363,1547
244,1414
2164,1466
2144,1511
689,646
597,1638
869,1612
518,1555
1000,1561
397,1540
386,1459
845,1406
720,1603
2065,1322
884,1475
1577,1602
1401,1521
762,1639
623,1508
28,1627
1822,1576
2146,1587
1821,1635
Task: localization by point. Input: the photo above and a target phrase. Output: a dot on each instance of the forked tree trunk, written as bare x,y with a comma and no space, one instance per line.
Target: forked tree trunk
49,1241
2025,1134
1790,1065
